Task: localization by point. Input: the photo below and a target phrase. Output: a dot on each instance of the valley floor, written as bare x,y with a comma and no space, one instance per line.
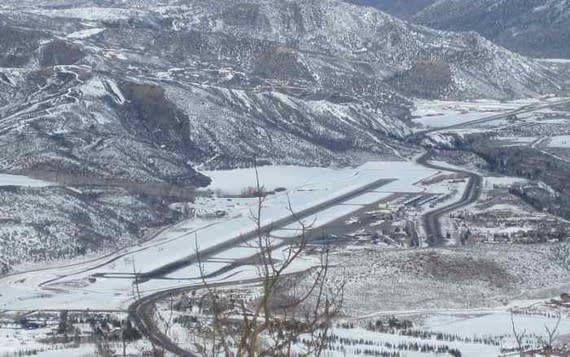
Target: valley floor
372,215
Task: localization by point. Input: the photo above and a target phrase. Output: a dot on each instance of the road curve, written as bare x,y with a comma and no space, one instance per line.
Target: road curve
141,311
141,314
432,219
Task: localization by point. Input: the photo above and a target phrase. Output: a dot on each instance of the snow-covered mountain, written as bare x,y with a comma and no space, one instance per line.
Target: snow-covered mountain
146,91
538,28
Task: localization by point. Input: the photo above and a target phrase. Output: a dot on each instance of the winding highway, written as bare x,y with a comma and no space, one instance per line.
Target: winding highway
141,313
432,219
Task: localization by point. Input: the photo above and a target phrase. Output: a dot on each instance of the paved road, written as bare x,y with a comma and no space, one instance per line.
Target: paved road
141,313
432,220
472,192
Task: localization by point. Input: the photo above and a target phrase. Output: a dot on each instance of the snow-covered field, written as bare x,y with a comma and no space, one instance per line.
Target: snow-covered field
502,181
497,322
517,140
465,292
482,276
562,141
232,181
474,334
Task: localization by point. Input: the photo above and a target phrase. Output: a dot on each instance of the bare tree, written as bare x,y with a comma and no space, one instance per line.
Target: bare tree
519,337
124,339
103,346
547,342
292,313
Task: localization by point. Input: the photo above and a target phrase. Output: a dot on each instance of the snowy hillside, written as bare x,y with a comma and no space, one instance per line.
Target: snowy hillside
54,223
314,82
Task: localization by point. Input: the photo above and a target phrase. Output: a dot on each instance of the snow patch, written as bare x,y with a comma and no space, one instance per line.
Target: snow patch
90,13
83,34
21,181
562,141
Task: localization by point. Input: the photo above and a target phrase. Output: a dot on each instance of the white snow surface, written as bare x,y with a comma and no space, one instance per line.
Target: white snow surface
22,181
83,34
90,13
562,141
503,181
497,323
309,179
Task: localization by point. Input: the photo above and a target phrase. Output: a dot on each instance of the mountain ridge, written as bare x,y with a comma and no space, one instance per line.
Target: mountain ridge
261,72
